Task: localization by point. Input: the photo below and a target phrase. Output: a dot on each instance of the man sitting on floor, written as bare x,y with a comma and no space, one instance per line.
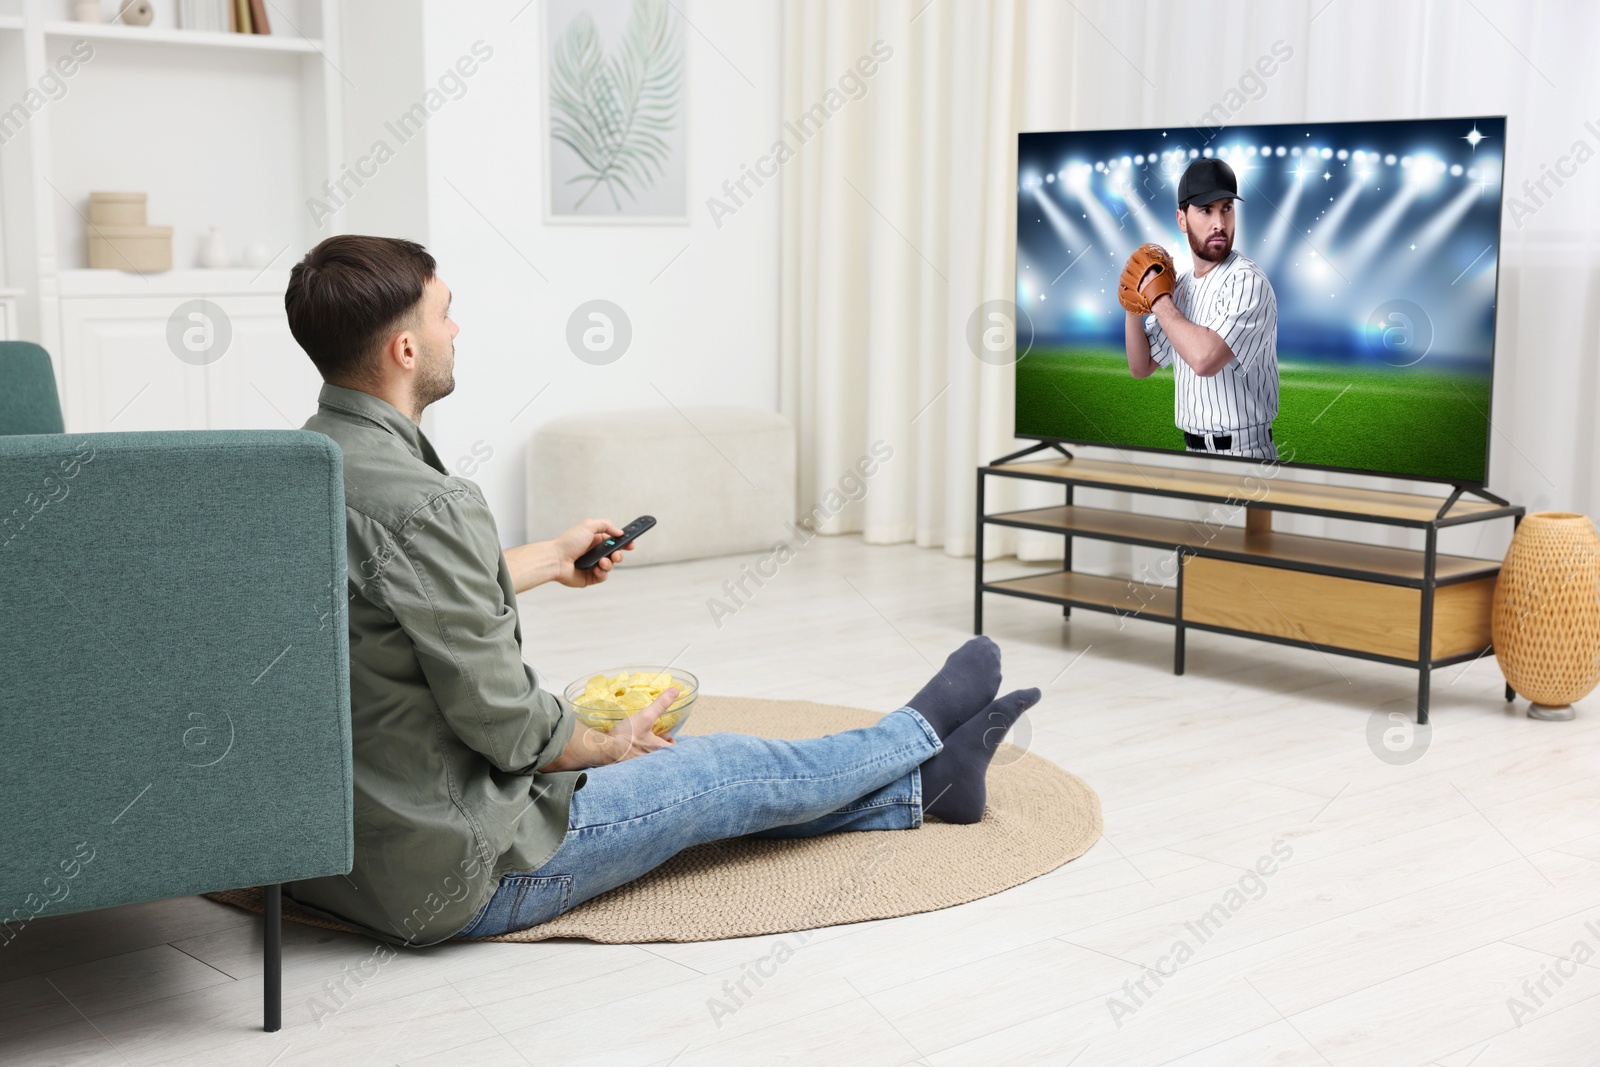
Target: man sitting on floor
481,804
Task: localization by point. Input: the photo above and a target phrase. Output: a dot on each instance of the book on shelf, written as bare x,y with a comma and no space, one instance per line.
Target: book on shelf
258,17
241,16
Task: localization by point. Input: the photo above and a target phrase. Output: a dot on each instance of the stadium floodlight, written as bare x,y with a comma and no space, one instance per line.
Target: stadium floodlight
1424,171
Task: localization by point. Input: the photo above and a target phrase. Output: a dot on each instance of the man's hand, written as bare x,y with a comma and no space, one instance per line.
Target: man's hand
575,541
633,736
538,562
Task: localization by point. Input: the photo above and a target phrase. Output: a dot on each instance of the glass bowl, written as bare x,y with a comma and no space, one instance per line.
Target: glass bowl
604,713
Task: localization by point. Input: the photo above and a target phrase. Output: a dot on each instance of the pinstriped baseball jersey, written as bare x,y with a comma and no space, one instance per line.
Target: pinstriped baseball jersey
1235,300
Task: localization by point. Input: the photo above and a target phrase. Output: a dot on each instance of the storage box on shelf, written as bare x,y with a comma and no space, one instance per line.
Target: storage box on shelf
1413,608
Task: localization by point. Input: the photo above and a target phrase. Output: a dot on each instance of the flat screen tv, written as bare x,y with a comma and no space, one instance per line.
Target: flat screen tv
1350,277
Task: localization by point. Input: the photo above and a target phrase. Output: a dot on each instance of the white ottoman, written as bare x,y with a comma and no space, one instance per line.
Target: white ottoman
719,480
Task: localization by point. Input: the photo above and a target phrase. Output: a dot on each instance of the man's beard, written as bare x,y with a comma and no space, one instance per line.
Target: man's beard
436,380
1202,252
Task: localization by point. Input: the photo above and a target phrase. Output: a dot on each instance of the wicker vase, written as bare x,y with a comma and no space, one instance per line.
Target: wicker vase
1546,620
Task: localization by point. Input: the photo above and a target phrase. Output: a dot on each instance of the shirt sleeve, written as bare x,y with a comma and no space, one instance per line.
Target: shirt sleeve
1160,344
1246,314
444,585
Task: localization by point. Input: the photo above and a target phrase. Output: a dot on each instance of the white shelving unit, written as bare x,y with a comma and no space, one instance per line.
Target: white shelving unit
234,130
107,31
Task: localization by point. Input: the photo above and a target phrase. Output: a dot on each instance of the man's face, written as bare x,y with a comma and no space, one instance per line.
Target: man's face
436,336
1209,228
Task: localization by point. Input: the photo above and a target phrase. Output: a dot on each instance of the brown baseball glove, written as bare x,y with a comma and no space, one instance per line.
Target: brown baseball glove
1145,257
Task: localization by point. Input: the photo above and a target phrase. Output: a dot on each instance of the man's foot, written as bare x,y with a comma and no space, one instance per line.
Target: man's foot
967,682
953,781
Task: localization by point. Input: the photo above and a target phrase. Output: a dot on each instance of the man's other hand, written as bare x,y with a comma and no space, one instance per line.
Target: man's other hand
636,736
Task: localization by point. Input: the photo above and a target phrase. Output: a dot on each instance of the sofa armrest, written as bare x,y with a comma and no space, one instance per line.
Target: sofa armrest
175,706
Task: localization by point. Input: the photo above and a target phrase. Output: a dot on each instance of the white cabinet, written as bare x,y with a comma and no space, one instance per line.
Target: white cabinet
134,353
118,373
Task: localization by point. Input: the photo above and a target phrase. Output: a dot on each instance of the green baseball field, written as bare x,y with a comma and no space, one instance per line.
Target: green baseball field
1417,420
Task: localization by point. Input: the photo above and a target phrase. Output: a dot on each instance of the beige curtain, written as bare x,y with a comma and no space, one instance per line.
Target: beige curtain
898,219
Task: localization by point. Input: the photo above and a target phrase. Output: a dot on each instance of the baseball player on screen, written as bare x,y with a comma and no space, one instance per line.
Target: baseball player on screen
1220,319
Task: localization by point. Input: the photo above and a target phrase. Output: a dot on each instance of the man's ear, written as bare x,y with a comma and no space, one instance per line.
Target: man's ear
401,342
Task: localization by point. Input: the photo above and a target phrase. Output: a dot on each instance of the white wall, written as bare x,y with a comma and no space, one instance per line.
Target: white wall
383,60
703,301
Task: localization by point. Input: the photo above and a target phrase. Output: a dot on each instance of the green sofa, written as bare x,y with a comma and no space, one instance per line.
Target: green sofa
174,668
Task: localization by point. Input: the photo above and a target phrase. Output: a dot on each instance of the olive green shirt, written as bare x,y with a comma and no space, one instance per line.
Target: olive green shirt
449,726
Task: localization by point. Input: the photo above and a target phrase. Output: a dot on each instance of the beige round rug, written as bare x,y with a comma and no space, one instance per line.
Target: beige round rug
1039,817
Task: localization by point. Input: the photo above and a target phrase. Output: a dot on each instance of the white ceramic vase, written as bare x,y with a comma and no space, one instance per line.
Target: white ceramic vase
214,251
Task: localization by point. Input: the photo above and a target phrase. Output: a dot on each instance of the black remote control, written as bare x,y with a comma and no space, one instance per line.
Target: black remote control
611,544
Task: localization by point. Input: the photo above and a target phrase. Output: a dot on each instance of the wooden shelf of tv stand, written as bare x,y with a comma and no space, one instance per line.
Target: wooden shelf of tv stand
1117,595
1322,555
1256,488
1414,608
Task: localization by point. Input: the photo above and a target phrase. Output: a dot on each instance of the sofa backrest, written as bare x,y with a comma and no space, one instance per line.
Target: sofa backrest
28,399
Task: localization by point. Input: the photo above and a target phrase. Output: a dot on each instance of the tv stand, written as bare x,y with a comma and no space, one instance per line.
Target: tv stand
1477,490
1413,608
1030,450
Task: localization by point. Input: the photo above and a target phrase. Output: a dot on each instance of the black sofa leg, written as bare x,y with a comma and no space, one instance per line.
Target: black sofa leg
272,975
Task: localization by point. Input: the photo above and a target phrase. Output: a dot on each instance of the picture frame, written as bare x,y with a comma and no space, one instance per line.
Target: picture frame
605,61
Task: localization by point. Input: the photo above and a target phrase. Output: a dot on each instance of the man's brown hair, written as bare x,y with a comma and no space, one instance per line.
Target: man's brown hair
348,294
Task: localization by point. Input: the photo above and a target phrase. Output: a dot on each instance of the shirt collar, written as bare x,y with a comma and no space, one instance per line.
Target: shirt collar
376,410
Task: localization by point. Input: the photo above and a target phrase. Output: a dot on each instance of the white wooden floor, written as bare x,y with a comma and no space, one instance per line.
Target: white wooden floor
1419,903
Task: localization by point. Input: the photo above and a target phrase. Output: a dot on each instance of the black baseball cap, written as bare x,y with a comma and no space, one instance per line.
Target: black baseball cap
1207,180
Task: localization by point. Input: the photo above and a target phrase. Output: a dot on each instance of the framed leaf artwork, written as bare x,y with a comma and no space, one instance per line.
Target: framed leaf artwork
615,112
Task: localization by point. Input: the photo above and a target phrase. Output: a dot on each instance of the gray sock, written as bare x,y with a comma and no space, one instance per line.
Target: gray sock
966,683
953,781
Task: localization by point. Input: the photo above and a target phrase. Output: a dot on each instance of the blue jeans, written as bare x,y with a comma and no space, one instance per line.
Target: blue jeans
633,816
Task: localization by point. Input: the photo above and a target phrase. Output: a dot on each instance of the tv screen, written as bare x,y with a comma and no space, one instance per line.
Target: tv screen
1333,300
